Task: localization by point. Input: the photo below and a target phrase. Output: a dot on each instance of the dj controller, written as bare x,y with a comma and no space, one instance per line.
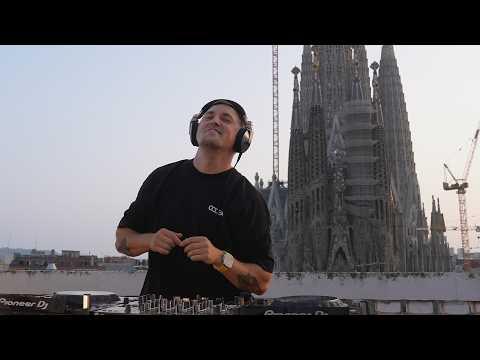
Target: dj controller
108,303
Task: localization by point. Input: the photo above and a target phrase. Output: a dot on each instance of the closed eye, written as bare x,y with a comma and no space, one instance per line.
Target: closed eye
227,118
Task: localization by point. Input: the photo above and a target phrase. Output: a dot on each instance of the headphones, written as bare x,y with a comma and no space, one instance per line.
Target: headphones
244,136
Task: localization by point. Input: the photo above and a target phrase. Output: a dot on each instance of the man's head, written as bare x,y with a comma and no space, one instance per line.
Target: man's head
221,122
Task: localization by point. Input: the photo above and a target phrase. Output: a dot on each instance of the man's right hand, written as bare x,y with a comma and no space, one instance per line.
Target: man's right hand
164,240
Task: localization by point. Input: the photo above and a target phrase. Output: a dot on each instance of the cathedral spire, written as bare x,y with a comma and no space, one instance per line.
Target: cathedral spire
438,207
389,71
397,130
434,210
306,85
307,50
374,66
360,54
317,90
357,93
296,100
376,102
388,52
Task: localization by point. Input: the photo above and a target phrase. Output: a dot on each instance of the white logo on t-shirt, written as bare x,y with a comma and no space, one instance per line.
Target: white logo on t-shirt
215,210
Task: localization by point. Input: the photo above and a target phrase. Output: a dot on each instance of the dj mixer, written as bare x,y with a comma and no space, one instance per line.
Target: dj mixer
108,303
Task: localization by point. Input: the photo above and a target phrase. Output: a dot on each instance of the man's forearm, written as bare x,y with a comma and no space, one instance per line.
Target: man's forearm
249,277
131,243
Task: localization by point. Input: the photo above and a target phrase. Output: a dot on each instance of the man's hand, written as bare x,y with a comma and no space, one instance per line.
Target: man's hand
199,248
164,240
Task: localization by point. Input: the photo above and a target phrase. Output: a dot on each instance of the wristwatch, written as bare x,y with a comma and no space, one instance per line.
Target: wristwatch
227,262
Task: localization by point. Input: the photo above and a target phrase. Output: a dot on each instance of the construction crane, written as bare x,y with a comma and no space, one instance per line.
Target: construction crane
276,146
475,228
461,185
471,228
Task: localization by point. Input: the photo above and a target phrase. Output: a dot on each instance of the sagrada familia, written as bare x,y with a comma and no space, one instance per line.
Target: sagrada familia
353,201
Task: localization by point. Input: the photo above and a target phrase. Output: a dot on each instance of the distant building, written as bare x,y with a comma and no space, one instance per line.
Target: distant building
69,260
71,253
474,260
119,263
37,252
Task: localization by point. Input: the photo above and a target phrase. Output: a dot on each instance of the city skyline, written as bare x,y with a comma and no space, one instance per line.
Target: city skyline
85,125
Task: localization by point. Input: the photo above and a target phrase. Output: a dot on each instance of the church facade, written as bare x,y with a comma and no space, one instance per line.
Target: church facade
353,201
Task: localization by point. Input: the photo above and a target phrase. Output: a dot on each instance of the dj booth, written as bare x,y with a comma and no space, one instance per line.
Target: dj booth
108,303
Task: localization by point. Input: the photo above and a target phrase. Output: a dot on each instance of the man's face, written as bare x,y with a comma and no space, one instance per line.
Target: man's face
218,127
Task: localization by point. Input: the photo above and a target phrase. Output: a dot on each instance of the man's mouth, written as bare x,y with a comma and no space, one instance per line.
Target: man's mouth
217,131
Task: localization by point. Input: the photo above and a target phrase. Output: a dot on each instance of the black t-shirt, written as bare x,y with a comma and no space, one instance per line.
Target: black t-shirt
224,207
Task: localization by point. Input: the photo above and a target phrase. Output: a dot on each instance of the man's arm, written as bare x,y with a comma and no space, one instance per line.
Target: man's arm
244,276
131,243
249,277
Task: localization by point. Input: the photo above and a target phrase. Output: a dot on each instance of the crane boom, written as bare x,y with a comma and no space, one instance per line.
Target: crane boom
450,172
468,165
276,146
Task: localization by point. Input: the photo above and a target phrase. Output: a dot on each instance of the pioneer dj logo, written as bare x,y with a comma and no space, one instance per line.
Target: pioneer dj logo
215,210
40,305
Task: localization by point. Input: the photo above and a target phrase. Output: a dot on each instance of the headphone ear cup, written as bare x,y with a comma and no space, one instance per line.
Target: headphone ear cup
242,141
193,132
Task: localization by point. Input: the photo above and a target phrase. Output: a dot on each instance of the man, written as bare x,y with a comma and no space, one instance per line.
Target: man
205,227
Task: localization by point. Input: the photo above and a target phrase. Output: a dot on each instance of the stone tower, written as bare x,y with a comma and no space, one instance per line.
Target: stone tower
400,158
439,252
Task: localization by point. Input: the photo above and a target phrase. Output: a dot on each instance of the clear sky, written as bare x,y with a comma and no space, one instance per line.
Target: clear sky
82,127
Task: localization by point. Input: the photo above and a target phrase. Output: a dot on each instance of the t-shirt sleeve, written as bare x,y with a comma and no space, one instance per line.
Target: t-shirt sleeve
136,216
252,229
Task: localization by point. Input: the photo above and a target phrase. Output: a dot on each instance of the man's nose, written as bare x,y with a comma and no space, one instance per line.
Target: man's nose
216,120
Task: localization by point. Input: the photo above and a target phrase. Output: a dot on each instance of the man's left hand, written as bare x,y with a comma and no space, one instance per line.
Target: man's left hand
199,248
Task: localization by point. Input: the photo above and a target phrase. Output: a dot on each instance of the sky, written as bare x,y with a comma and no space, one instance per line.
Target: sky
83,126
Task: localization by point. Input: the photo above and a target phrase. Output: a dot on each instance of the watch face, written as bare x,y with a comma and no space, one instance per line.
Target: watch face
228,260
